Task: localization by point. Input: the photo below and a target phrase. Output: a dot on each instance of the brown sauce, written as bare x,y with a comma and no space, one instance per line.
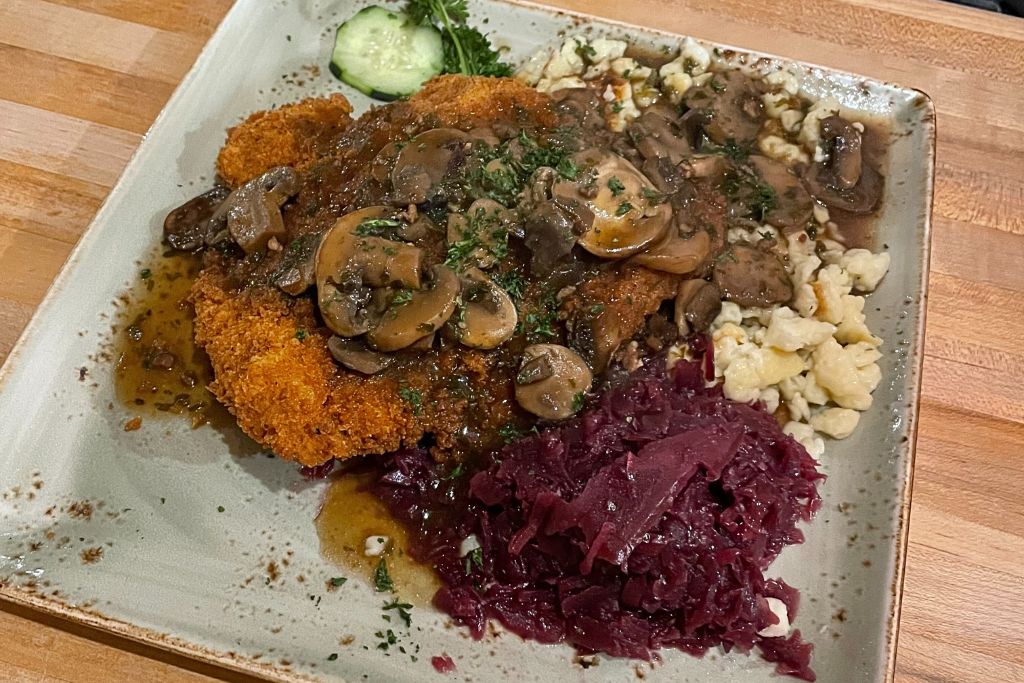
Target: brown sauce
160,370
349,515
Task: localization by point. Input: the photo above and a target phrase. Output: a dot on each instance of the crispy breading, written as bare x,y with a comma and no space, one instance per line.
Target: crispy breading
461,101
287,393
292,135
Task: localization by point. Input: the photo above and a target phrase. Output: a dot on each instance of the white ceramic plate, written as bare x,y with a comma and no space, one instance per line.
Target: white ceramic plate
174,571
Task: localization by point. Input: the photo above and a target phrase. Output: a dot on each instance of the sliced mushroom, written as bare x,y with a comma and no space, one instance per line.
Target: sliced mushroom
189,226
750,276
613,205
733,107
676,254
793,205
297,271
549,236
710,166
656,136
348,266
482,232
254,210
845,181
422,314
355,356
424,161
580,107
489,315
551,380
696,305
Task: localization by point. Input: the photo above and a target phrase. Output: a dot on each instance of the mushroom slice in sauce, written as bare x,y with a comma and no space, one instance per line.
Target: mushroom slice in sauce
419,315
254,210
793,205
345,271
424,161
655,135
189,226
297,271
750,276
550,379
733,107
696,305
612,205
677,254
489,316
355,356
845,181
482,230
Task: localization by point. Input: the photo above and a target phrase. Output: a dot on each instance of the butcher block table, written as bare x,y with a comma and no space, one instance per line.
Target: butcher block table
82,80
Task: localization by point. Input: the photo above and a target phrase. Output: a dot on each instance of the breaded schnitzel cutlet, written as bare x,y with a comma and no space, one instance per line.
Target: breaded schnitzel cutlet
467,206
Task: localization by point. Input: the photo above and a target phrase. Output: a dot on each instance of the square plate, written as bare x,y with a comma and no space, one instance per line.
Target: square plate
176,573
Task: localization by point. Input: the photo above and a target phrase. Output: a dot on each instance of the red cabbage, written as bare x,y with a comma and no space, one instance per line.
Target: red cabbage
646,522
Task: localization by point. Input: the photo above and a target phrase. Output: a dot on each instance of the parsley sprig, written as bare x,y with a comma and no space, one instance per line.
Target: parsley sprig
466,50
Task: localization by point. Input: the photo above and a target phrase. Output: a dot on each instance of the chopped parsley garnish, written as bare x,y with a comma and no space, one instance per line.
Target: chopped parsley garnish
382,578
617,107
466,50
509,432
624,208
331,657
716,86
387,639
474,558
413,398
577,401
145,273
401,297
402,608
338,581
616,186
376,227
455,473
585,50
511,282
300,335
653,196
220,508
731,150
542,325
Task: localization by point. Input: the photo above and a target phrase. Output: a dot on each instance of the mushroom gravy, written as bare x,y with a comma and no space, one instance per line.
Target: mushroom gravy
159,369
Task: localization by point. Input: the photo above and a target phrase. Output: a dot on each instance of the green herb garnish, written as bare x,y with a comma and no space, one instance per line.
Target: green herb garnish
376,227
511,282
466,50
413,398
402,608
145,273
382,578
338,581
300,335
331,657
577,401
616,186
401,297
624,208
474,558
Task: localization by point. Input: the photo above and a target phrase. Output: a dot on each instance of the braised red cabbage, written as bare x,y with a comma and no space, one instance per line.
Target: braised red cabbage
646,522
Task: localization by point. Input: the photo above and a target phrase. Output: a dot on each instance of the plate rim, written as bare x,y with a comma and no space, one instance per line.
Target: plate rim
242,664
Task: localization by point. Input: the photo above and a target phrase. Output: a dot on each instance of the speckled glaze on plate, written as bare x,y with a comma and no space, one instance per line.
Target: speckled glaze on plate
121,530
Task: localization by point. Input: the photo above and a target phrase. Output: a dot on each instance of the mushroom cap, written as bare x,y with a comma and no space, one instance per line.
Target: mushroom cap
489,315
656,135
793,205
845,181
752,277
486,223
550,378
424,161
696,305
346,268
420,316
677,254
620,219
734,110
355,356
189,226
254,210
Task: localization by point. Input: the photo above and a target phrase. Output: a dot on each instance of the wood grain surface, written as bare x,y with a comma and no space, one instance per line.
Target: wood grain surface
81,81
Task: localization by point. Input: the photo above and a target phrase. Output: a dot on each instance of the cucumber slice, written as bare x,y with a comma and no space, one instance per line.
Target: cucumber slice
383,54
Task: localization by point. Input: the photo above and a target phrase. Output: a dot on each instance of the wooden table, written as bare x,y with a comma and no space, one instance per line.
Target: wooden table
82,80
